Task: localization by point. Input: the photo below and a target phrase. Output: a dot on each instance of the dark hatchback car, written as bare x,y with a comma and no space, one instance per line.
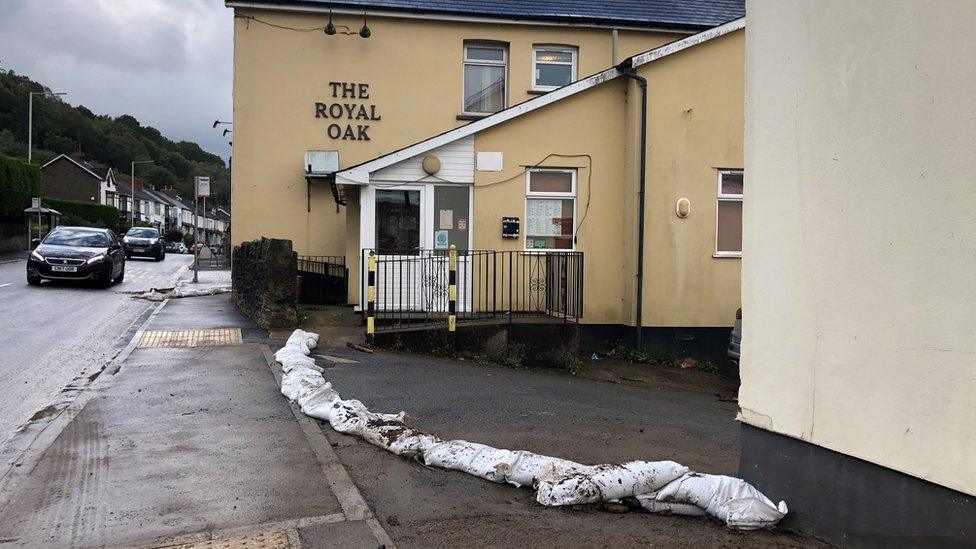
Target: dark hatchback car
144,241
77,253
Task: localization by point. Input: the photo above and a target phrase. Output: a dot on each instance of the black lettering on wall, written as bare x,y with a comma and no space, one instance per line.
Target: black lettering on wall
348,111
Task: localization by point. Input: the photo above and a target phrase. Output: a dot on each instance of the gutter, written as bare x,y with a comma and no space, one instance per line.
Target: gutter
626,69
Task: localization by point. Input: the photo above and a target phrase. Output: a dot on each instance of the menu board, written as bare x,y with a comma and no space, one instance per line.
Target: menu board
544,217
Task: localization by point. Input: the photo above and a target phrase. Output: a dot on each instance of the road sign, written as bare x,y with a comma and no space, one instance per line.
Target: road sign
203,186
35,202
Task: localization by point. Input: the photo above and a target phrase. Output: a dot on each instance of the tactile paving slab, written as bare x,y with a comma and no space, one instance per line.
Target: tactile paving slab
190,338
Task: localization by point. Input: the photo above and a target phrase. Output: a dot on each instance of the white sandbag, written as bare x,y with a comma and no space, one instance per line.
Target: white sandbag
734,501
528,469
609,481
296,382
651,505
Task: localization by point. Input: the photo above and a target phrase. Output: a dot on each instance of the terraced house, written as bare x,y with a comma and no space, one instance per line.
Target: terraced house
585,159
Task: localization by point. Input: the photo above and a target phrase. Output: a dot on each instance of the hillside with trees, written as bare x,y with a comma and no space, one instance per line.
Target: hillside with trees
76,131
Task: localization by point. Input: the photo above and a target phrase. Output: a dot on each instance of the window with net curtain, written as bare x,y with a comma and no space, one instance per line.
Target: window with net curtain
485,72
728,238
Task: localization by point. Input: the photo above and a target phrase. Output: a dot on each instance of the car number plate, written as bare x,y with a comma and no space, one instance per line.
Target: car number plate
64,268
138,249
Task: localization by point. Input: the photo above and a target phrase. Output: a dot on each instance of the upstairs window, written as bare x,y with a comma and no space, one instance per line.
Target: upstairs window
728,237
485,75
553,66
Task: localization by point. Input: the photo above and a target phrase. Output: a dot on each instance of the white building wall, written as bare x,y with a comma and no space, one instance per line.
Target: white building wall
859,261
457,165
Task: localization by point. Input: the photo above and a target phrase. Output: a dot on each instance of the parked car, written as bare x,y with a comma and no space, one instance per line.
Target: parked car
182,248
735,340
172,247
144,241
77,253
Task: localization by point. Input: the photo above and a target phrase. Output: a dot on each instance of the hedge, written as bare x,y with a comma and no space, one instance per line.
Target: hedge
19,182
96,214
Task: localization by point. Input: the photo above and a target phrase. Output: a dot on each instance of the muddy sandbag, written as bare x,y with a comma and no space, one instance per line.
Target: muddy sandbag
732,500
609,481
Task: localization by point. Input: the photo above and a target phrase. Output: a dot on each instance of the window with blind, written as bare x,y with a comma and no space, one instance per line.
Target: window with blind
728,237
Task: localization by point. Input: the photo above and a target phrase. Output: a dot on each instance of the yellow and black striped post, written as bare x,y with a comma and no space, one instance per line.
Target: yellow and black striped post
370,297
452,297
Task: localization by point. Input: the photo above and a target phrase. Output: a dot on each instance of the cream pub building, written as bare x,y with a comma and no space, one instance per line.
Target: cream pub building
528,127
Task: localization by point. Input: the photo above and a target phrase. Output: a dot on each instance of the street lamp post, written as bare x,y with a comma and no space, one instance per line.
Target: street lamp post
132,186
30,119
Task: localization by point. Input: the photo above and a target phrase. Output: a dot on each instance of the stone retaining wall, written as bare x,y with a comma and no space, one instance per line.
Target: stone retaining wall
265,277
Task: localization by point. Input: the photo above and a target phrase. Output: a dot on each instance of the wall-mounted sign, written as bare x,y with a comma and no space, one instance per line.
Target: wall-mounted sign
351,108
441,239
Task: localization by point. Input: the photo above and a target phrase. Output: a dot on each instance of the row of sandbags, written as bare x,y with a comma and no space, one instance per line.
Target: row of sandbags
659,486
161,294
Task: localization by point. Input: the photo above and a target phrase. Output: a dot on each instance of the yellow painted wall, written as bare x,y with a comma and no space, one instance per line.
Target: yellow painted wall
588,123
695,125
413,68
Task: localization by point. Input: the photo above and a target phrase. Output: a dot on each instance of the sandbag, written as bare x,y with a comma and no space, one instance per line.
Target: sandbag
734,501
609,481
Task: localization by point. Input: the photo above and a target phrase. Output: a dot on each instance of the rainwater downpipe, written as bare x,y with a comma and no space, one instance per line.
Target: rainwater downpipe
626,67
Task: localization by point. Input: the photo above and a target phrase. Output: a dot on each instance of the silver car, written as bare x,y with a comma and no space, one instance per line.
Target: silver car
735,340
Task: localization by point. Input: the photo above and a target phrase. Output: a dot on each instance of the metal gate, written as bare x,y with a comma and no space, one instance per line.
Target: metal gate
323,278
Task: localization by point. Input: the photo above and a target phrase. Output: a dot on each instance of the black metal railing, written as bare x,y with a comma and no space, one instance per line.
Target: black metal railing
412,288
323,278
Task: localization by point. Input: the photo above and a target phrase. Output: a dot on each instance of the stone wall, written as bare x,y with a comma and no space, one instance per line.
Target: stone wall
265,278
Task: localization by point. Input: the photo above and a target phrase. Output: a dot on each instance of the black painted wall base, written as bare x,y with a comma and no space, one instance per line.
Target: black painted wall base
709,344
852,502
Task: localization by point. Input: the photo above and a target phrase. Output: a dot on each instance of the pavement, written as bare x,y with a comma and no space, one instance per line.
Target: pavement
179,445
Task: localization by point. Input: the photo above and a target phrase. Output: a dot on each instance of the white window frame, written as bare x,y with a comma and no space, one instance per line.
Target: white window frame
484,63
535,49
725,197
529,194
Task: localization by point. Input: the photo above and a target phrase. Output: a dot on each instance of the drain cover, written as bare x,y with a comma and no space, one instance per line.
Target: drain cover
190,338
264,540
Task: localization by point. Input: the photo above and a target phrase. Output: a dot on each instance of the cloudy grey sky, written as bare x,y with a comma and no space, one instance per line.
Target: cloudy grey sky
166,62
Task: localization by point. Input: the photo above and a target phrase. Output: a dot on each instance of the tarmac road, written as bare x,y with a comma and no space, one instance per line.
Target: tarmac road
55,336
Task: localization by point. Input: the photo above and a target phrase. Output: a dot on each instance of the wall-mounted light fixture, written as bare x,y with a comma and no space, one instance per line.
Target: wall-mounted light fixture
365,32
330,28
682,208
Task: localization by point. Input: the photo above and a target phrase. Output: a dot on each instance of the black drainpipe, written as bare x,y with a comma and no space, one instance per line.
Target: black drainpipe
626,68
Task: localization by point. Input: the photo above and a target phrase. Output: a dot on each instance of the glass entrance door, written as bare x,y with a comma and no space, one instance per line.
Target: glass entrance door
398,217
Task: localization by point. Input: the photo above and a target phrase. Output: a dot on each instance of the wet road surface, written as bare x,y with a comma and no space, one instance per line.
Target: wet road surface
57,335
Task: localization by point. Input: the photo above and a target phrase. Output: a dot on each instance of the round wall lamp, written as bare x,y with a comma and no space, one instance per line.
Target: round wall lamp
682,208
431,164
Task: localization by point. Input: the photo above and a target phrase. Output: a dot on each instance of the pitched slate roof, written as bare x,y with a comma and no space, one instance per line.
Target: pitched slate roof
682,14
